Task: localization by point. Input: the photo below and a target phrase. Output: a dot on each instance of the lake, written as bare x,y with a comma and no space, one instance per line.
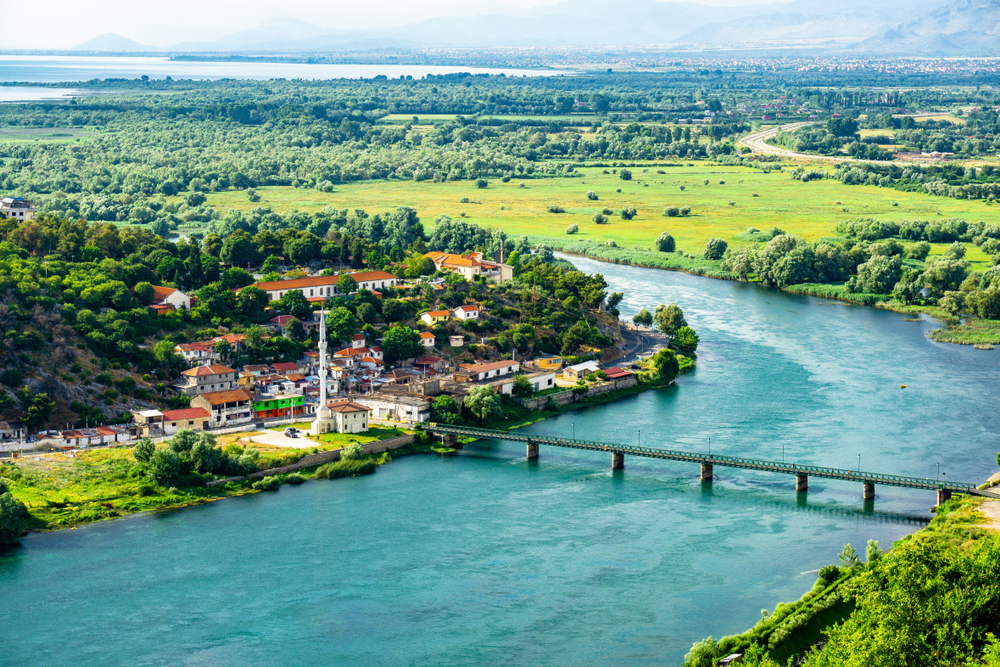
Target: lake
49,69
485,558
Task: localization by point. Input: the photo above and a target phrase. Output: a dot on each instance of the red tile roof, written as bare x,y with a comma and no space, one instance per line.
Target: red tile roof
185,413
161,293
221,397
285,366
347,406
299,283
208,370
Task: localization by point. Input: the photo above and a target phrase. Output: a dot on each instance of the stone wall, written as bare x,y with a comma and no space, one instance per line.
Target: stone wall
564,398
313,460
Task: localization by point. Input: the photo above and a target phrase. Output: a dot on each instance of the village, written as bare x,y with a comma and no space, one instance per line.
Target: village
361,388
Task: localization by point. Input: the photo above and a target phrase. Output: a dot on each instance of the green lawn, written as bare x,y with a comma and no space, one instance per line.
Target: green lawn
810,210
44,134
344,439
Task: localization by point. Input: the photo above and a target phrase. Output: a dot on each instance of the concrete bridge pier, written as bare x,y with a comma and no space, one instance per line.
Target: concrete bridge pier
942,496
617,461
869,491
532,450
801,482
706,472
449,440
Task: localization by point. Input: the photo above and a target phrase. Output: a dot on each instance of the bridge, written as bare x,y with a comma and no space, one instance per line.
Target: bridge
450,434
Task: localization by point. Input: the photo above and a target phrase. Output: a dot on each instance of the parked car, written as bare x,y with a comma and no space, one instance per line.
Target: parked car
291,432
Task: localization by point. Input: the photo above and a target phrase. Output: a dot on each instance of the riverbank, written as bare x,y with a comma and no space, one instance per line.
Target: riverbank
968,331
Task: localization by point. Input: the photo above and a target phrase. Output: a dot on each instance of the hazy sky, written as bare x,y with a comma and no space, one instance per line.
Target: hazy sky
61,24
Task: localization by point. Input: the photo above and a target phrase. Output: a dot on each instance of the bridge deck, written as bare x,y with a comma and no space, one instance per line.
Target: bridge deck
728,461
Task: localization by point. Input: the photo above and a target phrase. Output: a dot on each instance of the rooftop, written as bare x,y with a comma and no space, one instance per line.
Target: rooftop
222,397
207,370
185,413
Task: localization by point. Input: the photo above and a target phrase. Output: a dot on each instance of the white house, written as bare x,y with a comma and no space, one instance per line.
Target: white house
467,312
488,371
169,298
401,408
427,339
319,288
349,416
580,370
543,380
17,208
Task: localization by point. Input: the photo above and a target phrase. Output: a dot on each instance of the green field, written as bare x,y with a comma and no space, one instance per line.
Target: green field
432,118
46,134
810,210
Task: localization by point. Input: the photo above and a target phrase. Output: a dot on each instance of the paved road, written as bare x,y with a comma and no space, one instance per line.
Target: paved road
636,341
757,142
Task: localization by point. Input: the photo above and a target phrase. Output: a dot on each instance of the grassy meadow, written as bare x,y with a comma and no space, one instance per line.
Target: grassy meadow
748,198
44,134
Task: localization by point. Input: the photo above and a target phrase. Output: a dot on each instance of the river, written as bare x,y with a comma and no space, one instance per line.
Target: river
487,559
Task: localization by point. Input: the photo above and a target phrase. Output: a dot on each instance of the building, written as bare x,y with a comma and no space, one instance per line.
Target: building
616,373
546,363
488,371
10,431
456,341
349,416
323,287
268,406
397,408
580,371
192,419
427,339
17,208
434,316
429,363
197,354
467,312
226,408
286,367
470,266
203,379
166,299
542,380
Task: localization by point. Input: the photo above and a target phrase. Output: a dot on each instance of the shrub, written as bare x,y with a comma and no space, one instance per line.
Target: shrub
685,210
665,243
295,479
352,452
481,183
715,248
829,573
599,218
345,468
611,243
556,208
671,211
628,213
625,175
270,483
682,188
591,195
607,211
573,229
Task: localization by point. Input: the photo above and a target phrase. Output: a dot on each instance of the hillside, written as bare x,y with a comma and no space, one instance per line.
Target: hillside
112,43
963,27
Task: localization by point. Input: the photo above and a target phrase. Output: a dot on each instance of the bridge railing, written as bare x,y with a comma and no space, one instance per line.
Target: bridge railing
695,457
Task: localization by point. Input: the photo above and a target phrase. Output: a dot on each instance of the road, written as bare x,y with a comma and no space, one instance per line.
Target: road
757,142
637,341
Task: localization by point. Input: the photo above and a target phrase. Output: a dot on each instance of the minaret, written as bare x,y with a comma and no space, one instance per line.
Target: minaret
323,422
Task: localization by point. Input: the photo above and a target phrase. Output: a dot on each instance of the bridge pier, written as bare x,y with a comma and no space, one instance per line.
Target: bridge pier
942,496
868,492
617,461
801,482
707,471
532,450
449,440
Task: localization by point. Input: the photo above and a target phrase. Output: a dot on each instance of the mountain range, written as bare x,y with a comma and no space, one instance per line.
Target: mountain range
918,27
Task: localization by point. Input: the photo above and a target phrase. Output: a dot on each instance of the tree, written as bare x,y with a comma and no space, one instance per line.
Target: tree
842,127
205,457
669,319
523,386
296,304
628,212
671,211
573,228
848,557
296,330
13,516
167,467
873,552
666,364
612,302
625,174
574,337
482,402
35,408
341,325
183,441
394,310
366,313
251,303
665,243
715,248
599,218
643,318
238,249
401,342
481,183
879,275
944,275
353,452
143,450
143,293
271,264
444,409
686,340
346,284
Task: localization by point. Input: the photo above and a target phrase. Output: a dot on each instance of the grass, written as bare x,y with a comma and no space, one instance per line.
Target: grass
811,210
972,332
44,134
344,439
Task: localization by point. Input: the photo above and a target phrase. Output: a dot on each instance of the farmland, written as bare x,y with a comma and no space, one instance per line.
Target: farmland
811,210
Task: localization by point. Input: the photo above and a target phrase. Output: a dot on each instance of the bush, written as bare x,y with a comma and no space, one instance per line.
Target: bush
607,211
573,229
665,243
346,468
829,573
671,211
352,452
295,479
591,195
599,218
625,175
628,213
13,517
555,208
685,210
611,243
270,483
715,248
481,183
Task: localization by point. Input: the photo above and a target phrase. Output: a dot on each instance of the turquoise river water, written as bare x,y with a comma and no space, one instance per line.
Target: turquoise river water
487,559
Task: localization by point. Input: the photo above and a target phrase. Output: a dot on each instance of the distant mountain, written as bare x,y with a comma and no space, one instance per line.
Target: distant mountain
962,27
112,43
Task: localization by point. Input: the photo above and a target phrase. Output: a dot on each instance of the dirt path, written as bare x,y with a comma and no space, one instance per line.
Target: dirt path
757,142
